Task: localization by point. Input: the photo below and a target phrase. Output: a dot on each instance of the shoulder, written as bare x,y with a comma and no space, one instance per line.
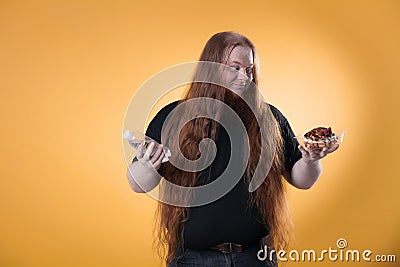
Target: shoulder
281,119
155,125
164,112
168,108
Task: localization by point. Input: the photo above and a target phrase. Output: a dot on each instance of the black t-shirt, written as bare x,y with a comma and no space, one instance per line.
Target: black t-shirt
228,219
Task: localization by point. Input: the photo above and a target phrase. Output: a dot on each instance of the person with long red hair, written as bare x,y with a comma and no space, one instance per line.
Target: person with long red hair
228,230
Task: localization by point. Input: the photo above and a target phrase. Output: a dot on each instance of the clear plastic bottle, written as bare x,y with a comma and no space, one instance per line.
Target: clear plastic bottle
136,138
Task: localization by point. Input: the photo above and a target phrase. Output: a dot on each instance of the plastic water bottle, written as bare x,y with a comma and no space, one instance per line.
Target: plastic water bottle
136,138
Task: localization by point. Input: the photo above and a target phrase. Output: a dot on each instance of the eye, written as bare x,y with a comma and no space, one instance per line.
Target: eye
249,70
235,68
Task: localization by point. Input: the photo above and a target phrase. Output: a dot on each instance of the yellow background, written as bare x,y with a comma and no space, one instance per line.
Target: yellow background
69,69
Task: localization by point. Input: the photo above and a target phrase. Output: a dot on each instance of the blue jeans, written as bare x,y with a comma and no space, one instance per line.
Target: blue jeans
215,258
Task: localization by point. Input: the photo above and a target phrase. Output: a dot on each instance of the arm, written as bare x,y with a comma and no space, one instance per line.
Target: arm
142,174
308,169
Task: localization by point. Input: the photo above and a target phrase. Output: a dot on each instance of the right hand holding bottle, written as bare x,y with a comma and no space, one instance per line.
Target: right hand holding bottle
151,159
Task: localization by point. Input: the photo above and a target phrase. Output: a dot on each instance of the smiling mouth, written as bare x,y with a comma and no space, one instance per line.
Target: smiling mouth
239,85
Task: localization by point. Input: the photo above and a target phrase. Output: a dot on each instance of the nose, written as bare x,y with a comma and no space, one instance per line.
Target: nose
242,75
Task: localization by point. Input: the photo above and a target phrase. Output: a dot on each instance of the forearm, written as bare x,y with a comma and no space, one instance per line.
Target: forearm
141,178
305,173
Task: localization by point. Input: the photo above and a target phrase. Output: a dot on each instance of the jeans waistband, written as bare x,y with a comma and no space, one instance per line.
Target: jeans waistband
229,247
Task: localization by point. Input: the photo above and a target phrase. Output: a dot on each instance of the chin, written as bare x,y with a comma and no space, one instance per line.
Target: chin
238,90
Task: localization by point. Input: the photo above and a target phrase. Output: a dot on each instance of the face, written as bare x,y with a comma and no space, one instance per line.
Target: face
239,73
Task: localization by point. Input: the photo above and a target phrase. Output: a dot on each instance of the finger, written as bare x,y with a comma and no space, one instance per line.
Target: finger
158,162
149,151
157,154
314,152
302,150
333,148
323,152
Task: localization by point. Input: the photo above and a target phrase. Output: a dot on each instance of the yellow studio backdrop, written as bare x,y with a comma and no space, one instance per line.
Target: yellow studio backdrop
69,69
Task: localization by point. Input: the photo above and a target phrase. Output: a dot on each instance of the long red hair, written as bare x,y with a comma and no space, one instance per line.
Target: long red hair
270,197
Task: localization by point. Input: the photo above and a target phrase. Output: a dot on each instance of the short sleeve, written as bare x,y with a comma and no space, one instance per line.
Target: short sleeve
291,153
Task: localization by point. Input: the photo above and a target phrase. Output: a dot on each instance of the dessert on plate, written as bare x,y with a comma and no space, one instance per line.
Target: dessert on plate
320,137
